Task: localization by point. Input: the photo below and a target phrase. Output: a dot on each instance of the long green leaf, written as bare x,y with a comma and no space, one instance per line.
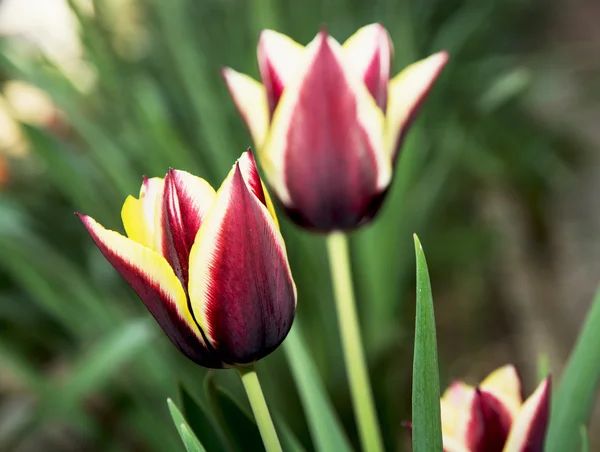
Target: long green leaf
575,396
585,439
16,365
237,424
426,423
325,429
201,422
103,360
289,441
190,441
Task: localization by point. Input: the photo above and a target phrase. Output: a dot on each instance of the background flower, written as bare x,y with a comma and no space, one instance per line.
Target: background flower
328,121
493,416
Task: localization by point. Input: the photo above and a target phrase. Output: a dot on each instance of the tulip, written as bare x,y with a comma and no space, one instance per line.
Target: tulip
493,417
328,122
211,267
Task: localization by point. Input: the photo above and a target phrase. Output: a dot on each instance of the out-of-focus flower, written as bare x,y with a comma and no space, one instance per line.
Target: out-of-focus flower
49,27
31,105
210,266
492,417
3,171
328,121
22,103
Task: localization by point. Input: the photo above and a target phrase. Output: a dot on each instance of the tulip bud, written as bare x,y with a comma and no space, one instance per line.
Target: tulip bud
493,417
328,122
211,267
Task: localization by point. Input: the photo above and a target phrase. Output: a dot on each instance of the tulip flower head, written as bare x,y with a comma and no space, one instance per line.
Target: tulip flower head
493,417
328,122
211,267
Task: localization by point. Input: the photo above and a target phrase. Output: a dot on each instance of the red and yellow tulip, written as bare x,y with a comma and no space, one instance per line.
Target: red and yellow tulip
328,122
492,417
210,266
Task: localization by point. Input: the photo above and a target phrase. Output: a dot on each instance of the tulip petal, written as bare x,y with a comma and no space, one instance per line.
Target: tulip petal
136,227
241,289
452,445
529,428
250,100
187,201
489,425
456,405
278,59
505,384
406,93
249,171
154,281
328,130
138,215
368,53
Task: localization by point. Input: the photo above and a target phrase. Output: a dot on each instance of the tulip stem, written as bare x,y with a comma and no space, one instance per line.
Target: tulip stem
260,409
356,367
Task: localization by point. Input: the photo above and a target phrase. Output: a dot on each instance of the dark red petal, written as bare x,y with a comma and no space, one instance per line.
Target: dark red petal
241,287
278,57
369,52
249,171
330,168
489,425
174,245
187,199
534,440
273,85
150,276
374,82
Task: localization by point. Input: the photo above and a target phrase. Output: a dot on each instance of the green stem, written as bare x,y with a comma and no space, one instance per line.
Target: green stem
260,409
356,368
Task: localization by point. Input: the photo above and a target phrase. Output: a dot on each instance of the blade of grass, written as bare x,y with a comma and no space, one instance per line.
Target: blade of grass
193,70
24,372
575,396
543,366
426,422
237,424
190,441
585,439
289,441
325,429
201,422
101,363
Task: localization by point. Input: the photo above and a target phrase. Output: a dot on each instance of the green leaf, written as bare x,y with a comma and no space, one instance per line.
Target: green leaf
238,425
289,442
193,70
325,428
16,366
575,396
543,366
200,422
92,372
190,441
68,173
426,422
585,439
106,357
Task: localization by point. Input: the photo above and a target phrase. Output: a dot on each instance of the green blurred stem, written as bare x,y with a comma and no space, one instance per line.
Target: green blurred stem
356,368
260,409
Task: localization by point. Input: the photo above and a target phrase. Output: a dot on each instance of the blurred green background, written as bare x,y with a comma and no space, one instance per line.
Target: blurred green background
496,176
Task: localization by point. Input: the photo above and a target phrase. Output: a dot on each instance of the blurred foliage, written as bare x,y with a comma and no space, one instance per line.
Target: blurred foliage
83,367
